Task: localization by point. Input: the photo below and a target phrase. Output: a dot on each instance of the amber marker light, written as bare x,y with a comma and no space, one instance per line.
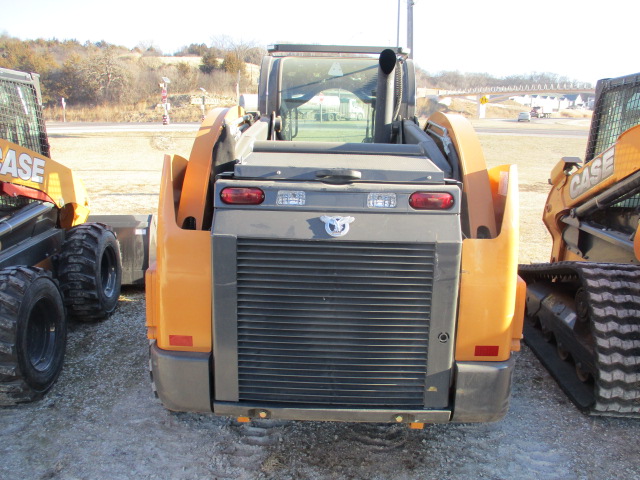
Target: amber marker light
431,200
242,196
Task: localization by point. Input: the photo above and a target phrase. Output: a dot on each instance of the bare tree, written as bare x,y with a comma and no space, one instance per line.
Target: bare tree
106,77
223,43
149,48
186,77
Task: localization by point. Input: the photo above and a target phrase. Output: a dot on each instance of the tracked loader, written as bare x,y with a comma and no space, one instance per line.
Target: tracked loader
583,307
316,268
54,264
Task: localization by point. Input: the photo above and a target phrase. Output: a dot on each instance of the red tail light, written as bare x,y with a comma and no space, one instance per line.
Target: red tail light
181,340
242,196
431,200
487,350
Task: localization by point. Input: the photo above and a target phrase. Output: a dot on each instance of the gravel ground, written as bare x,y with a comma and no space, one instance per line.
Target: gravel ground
101,420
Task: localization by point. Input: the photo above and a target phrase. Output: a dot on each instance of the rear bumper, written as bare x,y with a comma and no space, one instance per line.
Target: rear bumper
482,391
333,414
183,383
181,379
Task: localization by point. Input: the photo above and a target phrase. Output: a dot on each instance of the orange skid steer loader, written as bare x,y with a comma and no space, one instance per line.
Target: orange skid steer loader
361,270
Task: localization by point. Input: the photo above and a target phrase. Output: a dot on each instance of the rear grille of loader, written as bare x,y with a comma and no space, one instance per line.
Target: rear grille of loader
333,324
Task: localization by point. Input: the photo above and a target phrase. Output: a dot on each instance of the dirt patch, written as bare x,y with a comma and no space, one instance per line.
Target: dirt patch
164,143
121,171
537,187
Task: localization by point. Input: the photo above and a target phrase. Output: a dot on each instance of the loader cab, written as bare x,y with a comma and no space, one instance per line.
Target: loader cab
330,93
21,120
616,110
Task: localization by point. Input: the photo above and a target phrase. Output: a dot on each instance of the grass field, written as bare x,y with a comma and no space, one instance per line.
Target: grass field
353,131
122,171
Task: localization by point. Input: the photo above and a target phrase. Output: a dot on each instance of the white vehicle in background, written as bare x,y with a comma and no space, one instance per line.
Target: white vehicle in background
352,110
524,117
332,107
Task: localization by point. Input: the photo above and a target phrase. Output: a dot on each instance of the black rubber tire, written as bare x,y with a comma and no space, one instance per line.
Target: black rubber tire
33,334
90,271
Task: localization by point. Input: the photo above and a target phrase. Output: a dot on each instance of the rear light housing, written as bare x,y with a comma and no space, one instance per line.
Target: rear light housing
242,196
431,200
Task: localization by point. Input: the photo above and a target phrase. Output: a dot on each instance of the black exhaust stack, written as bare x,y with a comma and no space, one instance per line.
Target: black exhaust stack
384,96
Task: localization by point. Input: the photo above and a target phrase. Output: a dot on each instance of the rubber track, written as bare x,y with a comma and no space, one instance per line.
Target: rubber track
613,295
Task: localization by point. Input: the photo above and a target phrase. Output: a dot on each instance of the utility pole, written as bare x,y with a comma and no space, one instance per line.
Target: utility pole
409,44
398,28
409,27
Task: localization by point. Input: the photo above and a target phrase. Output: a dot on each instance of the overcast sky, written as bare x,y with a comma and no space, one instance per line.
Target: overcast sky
499,37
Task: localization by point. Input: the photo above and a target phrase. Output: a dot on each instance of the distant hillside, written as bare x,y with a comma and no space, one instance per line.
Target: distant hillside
88,75
104,74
